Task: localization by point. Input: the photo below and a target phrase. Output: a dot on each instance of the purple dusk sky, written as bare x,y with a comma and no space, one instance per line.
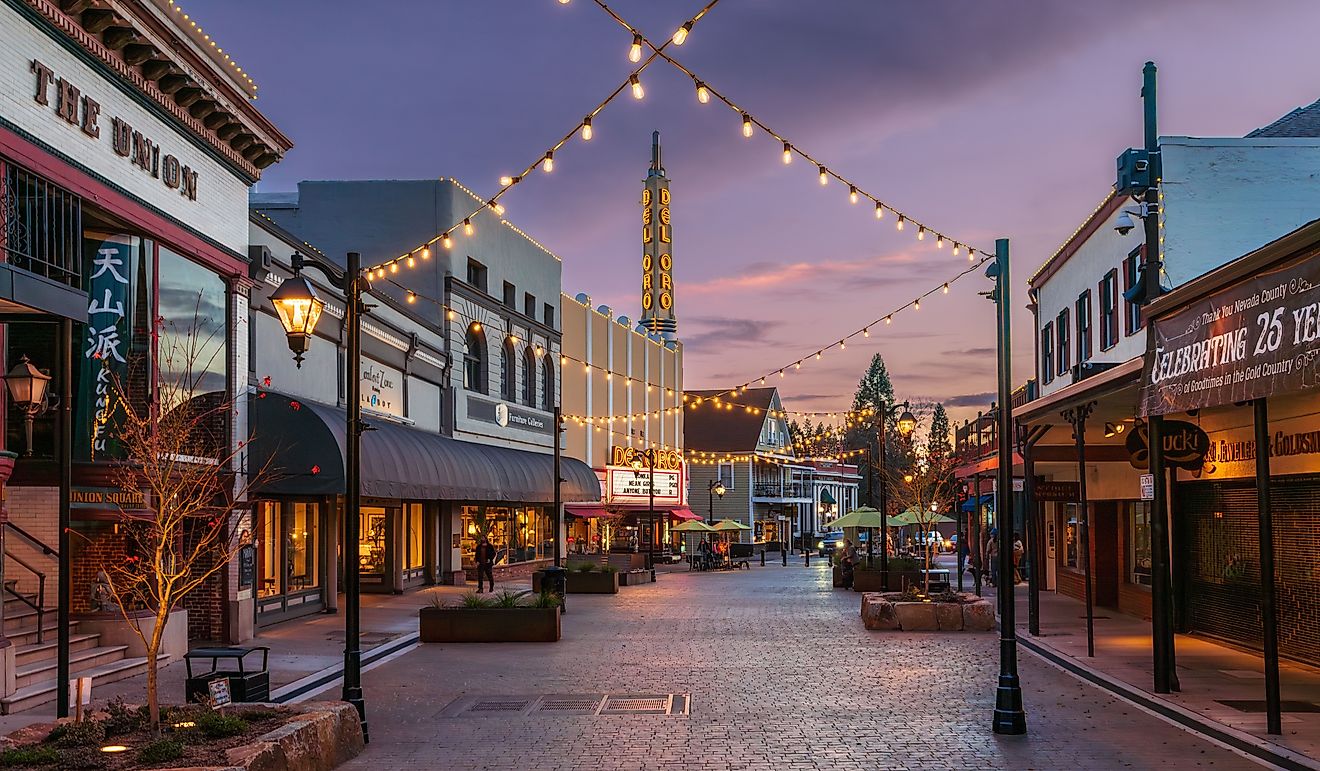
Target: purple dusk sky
984,119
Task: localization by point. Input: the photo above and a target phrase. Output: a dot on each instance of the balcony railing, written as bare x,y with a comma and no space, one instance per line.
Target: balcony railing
40,226
784,490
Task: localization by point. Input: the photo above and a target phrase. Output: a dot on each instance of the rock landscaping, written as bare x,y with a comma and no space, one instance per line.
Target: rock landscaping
913,612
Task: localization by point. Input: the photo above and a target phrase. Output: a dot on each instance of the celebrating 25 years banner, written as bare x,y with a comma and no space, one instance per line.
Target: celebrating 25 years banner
1257,338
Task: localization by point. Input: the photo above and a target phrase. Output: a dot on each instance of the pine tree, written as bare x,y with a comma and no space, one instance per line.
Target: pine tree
937,443
874,388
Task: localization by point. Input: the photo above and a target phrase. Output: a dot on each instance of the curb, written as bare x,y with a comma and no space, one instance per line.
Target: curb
1242,742
319,680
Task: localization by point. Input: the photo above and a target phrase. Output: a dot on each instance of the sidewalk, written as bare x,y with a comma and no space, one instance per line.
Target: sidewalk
299,649
1209,673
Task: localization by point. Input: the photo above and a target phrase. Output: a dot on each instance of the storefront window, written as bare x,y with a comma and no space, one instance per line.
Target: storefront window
192,349
302,545
413,540
1071,536
268,549
519,534
1139,543
371,540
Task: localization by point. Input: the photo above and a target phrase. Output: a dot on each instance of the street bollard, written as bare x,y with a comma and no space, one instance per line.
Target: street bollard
763,558
554,580
806,558
783,553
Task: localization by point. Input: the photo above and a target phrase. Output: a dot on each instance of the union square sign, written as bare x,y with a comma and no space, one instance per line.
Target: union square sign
1256,338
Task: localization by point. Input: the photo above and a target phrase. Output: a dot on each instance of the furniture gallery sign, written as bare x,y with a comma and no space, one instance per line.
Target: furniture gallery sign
1257,338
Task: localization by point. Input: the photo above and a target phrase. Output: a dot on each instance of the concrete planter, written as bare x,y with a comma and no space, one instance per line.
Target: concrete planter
462,625
595,582
888,612
326,735
635,578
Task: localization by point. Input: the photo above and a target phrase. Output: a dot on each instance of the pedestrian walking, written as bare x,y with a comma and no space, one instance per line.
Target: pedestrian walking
485,564
992,556
1018,551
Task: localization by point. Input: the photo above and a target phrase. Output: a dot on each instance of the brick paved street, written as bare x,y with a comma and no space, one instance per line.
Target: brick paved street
782,676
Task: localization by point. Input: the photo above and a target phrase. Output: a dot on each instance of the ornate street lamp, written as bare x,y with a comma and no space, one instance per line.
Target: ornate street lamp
716,487
906,424
27,391
299,309
649,456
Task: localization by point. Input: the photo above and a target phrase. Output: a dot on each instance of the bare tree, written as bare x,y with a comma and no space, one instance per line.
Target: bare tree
176,453
920,488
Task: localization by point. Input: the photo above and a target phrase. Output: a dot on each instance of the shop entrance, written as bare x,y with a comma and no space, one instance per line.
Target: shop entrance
290,571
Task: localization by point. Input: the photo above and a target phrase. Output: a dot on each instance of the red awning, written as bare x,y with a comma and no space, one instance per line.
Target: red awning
683,515
589,512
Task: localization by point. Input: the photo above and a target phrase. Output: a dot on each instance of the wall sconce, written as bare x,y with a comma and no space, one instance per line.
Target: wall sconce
27,388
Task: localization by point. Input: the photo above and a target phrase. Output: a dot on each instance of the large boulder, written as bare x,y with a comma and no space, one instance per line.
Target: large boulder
978,616
916,616
868,598
949,616
879,615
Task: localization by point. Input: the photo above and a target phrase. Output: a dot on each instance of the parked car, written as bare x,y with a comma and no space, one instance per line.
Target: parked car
828,542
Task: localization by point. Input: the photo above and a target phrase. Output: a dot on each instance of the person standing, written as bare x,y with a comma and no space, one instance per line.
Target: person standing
1018,551
485,564
992,556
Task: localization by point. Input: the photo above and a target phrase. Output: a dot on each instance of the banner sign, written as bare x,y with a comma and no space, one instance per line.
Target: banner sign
1067,492
1185,445
1257,338
106,348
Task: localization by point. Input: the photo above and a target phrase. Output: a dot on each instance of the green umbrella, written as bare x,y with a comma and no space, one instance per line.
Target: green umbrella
904,519
693,526
729,525
865,516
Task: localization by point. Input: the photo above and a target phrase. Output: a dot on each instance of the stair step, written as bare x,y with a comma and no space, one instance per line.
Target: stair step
27,635
85,659
43,692
21,616
34,652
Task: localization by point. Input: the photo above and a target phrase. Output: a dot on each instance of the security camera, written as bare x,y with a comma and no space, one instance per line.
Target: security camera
1125,224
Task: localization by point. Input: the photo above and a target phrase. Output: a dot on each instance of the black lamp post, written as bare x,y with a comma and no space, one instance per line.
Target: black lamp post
716,487
1009,717
906,425
649,455
27,387
299,309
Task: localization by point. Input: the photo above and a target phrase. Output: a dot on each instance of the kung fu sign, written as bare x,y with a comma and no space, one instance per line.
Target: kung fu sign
1257,338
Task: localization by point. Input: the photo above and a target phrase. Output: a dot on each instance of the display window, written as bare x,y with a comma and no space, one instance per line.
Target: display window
1138,546
288,542
1072,529
413,540
518,533
373,524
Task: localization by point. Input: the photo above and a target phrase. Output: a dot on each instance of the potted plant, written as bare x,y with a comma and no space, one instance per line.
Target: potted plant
590,578
506,616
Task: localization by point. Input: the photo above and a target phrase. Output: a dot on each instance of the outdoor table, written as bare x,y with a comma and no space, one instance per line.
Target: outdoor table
244,684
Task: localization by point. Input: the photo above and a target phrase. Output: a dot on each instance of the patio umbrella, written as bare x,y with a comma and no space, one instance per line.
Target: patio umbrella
693,526
729,525
863,517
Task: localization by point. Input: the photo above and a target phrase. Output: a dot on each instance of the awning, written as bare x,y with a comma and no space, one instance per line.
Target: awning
825,497
969,505
299,445
589,512
683,515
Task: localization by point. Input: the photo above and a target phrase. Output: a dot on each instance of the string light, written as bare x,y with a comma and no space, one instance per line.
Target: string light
824,176
901,220
586,129
549,164
635,50
879,210
637,90
680,34
496,206
747,125
467,227
703,93
916,304
448,242
788,153
921,233
426,252
852,194
946,287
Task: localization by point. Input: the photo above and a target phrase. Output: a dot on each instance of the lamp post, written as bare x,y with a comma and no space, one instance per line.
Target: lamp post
299,309
1009,718
906,425
27,388
649,455
716,487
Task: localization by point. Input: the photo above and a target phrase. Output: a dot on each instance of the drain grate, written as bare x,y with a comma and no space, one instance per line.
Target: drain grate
593,704
1258,705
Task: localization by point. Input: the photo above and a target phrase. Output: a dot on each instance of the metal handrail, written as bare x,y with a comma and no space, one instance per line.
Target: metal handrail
40,605
32,540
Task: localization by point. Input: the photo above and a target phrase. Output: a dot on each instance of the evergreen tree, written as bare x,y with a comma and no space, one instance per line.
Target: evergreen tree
874,388
937,443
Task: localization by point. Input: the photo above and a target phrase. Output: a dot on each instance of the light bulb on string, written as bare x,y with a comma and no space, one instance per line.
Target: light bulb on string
412,263
506,180
879,210
412,298
496,206
955,248
703,93
467,227
797,364
921,233
901,220
818,353
852,194
449,314
747,125
788,153
842,345
889,319
680,34
448,242
635,50
939,242
824,176
394,267
426,252
637,90
946,287
548,165
866,332
586,129
916,304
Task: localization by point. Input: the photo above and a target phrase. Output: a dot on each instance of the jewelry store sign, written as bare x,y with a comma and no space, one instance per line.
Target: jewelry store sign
1254,339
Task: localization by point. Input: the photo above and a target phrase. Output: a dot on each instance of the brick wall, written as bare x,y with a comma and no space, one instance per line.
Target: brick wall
95,546
36,510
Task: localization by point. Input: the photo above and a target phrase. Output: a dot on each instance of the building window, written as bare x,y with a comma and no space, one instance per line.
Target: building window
476,274
1084,327
1131,269
1138,550
529,377
373,529
529,305
510,295
726,475
1047,353
1061,349
548,383
302,546
508,371
549,315
519,534
474,361
1109,310
1071,537
413,542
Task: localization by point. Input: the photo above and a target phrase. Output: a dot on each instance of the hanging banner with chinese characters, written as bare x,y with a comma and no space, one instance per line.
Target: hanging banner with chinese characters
1257,338
105,346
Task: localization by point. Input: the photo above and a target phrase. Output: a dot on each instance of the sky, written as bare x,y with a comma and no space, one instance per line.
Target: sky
986,120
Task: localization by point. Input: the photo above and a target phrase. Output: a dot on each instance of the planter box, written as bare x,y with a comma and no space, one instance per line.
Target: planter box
594,582
888,612
635,578
456,625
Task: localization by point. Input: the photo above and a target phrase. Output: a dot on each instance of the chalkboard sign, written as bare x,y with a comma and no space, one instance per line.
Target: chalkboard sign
219,690
247,566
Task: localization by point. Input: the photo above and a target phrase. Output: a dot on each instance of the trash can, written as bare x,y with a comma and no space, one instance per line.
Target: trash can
554,580
244,684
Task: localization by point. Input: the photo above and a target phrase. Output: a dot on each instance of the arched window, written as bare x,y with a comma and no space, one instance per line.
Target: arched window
548,400
508,371
529,377
474,360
